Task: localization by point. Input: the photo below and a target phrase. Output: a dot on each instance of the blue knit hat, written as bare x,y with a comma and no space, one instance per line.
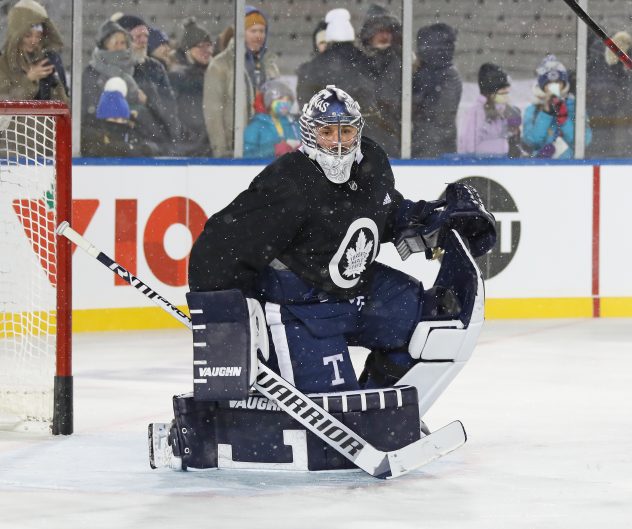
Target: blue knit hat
156,38
551,70
112,103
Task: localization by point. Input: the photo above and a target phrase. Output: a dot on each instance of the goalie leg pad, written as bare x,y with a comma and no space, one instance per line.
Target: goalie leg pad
193,435
228,332
443,341
442,346
255,434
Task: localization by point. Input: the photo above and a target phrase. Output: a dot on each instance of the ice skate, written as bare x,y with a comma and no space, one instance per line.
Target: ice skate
160,450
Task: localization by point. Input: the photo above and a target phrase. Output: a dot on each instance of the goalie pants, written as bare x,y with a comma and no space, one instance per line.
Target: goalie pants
310,331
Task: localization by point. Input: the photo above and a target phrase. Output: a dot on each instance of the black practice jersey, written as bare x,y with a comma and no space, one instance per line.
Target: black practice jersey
328,234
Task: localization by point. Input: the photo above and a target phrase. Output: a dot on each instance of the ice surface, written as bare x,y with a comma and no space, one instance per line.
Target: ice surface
547,406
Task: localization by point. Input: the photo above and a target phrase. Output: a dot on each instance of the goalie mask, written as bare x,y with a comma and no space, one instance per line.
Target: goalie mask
331,129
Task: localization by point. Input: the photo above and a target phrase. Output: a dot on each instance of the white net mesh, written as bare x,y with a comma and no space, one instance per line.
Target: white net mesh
27,270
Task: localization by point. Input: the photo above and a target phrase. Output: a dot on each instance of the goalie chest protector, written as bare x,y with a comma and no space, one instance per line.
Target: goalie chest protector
255,434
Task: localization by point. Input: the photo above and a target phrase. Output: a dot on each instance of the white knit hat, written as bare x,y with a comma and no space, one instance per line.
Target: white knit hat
339,28
116,84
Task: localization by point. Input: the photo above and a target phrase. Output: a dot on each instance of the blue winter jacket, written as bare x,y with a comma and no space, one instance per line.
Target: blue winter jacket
261,135
540,128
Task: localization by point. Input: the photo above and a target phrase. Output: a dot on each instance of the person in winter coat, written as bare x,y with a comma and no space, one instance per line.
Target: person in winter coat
341,64
272,133
111,57
160,123
159,47
609,100
223,39
30,65
549,123
381,37
187,78
219,82
437,89
492,125
113,133
319,45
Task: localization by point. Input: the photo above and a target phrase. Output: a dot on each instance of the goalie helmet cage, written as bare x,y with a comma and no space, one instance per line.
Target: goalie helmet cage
35,267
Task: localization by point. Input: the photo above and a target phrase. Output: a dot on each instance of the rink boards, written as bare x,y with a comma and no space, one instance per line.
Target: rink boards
562,249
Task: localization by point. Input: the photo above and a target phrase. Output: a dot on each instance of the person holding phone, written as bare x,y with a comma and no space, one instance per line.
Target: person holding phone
30,65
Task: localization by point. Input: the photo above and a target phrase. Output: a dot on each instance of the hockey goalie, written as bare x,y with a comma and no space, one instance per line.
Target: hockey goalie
286,275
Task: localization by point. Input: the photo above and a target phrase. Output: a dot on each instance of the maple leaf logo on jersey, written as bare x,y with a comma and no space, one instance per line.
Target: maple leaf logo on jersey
357,257
355,253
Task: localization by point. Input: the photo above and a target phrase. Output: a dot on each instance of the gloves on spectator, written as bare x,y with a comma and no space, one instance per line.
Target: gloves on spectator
560,110
281,148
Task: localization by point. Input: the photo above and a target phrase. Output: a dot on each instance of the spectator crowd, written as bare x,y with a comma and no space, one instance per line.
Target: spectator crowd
144,94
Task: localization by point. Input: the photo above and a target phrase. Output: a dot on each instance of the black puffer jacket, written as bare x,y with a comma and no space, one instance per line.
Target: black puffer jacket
188,84
161,123
437,89
385,68
304,68
118,140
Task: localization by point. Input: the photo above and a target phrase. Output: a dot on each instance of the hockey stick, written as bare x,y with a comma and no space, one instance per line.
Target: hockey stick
623,57
300,407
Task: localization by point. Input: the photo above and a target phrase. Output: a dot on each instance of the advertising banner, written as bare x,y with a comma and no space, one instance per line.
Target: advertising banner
146,217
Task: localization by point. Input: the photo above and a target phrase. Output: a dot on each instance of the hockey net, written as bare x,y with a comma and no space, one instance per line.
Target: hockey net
35,278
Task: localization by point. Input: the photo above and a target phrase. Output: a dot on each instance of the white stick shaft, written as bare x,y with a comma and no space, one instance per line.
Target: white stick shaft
65,230
70,234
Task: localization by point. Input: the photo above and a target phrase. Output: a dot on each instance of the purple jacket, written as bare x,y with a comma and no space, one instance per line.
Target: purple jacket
479,136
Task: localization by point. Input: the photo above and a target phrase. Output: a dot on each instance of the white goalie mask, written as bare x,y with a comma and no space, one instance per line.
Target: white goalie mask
331,130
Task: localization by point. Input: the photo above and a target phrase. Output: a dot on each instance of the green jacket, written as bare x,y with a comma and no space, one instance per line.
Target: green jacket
14,84
218,100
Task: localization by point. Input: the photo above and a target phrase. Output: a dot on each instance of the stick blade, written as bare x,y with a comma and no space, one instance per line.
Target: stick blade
427,449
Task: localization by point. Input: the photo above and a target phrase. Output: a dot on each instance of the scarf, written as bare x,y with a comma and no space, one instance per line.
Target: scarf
116,64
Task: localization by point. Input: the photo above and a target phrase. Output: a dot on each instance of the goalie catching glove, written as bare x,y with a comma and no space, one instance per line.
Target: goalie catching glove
424,224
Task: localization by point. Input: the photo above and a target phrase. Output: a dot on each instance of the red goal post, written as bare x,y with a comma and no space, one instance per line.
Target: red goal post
36,297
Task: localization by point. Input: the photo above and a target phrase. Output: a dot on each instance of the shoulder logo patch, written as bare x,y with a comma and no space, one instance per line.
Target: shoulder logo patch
387,199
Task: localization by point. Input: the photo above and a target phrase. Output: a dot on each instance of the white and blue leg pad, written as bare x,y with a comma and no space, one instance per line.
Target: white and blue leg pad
443,346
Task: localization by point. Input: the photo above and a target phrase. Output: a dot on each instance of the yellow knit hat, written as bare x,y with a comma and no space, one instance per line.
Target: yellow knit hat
254,18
